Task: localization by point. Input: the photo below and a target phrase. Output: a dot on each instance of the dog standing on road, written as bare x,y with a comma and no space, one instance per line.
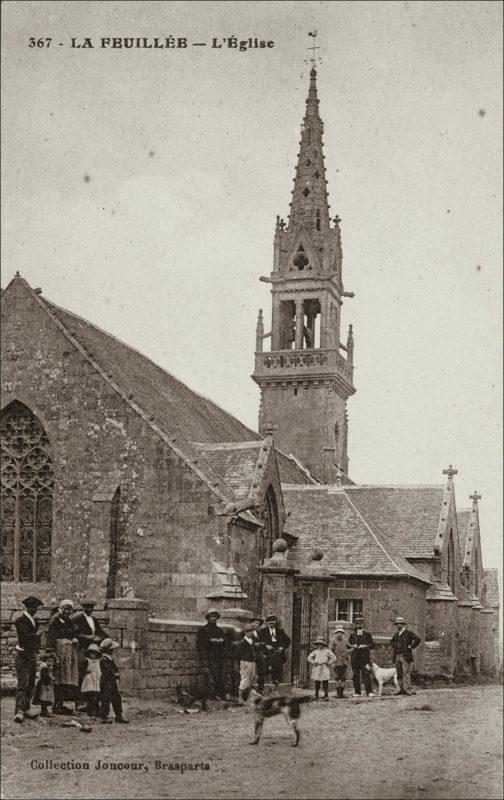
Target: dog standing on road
286,704
383,675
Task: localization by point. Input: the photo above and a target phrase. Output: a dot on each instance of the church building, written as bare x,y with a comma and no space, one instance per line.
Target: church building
120,482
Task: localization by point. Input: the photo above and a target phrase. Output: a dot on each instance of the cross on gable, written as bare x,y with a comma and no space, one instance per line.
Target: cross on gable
270,429
314,47
475,497
450,471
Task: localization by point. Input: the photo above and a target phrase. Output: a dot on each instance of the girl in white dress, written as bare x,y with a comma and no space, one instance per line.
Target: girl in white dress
90,689
321,658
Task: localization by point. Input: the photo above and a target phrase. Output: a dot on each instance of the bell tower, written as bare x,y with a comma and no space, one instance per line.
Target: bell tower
307,376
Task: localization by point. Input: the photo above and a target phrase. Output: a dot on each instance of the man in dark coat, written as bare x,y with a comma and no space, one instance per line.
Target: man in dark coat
27,629
88,631
276,642
404,642
211,644
361,642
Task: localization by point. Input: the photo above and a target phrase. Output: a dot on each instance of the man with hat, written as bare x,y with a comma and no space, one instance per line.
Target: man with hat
276,642
245,654
404,642
28,645
88,631
340,648
211,644
361,642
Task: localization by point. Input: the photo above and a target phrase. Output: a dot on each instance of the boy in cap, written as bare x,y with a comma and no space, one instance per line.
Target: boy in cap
211,644
339,647
361,643
27,629
321,658
109,691
276,642
404,642
245,653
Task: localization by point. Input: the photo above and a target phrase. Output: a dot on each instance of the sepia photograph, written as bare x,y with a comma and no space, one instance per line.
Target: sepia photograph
251,400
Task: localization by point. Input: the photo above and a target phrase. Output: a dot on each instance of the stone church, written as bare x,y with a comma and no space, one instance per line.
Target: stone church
120,482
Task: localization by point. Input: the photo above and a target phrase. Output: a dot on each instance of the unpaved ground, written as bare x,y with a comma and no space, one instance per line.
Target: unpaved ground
349,749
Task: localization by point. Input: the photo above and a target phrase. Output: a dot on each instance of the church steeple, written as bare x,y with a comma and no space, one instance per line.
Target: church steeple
309,205
307,376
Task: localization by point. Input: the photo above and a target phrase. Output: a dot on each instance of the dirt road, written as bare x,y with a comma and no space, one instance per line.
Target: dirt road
387,748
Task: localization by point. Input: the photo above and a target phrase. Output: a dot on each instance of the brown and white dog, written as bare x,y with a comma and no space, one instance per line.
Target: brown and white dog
383,675
288,705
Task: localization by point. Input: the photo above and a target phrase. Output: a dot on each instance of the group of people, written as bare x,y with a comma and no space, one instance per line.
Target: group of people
76,666
261,650
357,652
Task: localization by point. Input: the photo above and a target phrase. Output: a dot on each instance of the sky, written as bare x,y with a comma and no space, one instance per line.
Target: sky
141,186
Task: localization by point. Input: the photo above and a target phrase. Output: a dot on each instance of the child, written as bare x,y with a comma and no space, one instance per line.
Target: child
90,688
44,688
321,658
340,649
109,693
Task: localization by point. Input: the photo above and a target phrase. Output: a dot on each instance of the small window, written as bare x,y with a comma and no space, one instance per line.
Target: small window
347,610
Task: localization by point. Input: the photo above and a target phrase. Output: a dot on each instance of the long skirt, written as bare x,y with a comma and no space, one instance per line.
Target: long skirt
66,671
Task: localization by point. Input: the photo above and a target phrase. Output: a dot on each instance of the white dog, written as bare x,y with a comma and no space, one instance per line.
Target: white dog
383,675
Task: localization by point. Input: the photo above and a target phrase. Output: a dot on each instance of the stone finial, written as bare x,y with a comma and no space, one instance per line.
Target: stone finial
269,429
280,552
316,555
259,332
280,546
475,497
338,479
450,472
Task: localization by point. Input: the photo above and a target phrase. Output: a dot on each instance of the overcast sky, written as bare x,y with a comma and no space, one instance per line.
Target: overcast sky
140,189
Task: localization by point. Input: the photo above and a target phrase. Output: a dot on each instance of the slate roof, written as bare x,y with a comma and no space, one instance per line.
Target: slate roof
491,578
408,516
178,410
291,470
324,517
235,463
463,517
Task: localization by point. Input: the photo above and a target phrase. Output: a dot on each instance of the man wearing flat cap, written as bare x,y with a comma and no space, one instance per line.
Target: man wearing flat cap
88,631
276,642
27,629
404,642
211,644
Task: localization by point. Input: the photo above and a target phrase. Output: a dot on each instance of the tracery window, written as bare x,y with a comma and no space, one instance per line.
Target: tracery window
270,515
27,482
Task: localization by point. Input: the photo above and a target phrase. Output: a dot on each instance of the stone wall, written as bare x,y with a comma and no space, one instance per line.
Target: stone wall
167,533
441,627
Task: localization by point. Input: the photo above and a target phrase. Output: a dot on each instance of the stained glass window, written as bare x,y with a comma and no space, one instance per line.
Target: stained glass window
27,481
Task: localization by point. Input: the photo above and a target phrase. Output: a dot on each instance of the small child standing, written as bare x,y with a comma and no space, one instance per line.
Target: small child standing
90,689
44,688
245,654
340,649
321,658
109,692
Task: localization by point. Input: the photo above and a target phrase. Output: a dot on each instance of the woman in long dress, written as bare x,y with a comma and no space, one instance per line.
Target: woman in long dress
62,639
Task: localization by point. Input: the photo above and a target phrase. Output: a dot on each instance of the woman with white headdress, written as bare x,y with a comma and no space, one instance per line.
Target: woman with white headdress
62,639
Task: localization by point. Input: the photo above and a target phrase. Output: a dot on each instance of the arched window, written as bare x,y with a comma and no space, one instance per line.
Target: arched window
114,538
27,496
451,562
476,572
270,520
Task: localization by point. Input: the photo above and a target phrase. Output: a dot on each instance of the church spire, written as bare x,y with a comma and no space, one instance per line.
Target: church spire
309,205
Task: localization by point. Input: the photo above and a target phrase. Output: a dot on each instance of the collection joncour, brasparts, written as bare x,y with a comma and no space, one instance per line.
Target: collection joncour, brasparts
120,766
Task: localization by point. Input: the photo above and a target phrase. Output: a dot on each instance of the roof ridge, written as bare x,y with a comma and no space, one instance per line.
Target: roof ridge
44,304
139,352
395,486
411,571
246,443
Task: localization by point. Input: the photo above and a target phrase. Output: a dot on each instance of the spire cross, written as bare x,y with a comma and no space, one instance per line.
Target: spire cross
270,429
475,497
314,46
450,471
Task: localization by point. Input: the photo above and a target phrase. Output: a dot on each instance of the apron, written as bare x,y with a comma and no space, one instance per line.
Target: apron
91,682
66,670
